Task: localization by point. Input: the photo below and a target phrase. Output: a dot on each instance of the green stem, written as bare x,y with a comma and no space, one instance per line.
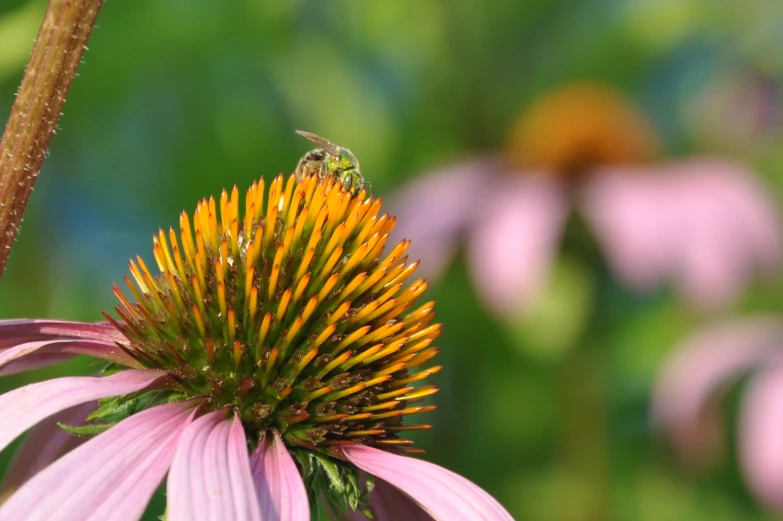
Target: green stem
585,449
56,55
584,385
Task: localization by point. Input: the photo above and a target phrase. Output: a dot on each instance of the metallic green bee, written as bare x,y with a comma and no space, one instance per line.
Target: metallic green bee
331,160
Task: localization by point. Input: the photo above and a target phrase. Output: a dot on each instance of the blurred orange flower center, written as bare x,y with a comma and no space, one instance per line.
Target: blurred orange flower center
568,131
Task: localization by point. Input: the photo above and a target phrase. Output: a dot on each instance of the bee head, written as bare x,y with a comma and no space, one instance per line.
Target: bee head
344,160
352,180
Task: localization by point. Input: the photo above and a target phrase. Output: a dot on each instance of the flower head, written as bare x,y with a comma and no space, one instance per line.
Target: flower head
704,226
288,330
292,315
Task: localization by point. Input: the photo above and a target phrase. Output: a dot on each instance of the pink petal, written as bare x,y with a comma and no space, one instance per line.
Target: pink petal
112,476
633,219
210,476
434,210
699,369
14,332
26,344
33,361
761,437
444,495
735,230
37,354
706,225
45,443
24,407
280,489
389,504
512,244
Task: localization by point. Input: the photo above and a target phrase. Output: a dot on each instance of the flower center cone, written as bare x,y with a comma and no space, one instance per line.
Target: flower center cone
568,132
292,314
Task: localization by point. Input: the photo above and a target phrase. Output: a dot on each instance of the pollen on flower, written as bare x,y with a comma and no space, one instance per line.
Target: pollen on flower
292,314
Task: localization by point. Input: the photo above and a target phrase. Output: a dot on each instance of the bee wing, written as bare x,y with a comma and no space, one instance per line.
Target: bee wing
331,148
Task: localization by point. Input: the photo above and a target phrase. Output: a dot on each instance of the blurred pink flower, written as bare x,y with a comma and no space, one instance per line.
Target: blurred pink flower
685,400
704,225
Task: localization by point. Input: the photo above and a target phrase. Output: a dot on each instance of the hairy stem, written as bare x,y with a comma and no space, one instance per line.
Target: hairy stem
56,55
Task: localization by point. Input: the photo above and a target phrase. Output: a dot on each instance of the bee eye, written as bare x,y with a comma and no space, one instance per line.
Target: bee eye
347,181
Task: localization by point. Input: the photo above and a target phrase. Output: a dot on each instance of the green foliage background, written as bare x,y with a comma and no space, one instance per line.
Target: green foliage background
178,99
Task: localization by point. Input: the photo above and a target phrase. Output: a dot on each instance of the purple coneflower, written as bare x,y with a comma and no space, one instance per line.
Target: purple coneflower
267,369
700,370
705,225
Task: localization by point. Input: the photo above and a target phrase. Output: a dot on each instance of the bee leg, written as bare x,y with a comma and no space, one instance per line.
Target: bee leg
300,171
323,172
368,185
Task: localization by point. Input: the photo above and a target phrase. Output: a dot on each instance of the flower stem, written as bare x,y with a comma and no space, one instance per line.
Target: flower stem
585,437
56,55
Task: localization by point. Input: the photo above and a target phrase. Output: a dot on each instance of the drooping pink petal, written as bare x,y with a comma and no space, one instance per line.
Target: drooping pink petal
735,230
514,239
112,476
34,361
210,476
18,331
45,443
30,355
444,495
389,504
434,210
633,219
707,226
702,366
24,407
760,435
281,492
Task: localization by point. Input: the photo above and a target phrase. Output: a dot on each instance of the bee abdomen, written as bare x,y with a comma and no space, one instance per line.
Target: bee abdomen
312,163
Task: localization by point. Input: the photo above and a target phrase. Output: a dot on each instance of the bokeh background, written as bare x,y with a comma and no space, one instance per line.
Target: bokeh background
548,411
